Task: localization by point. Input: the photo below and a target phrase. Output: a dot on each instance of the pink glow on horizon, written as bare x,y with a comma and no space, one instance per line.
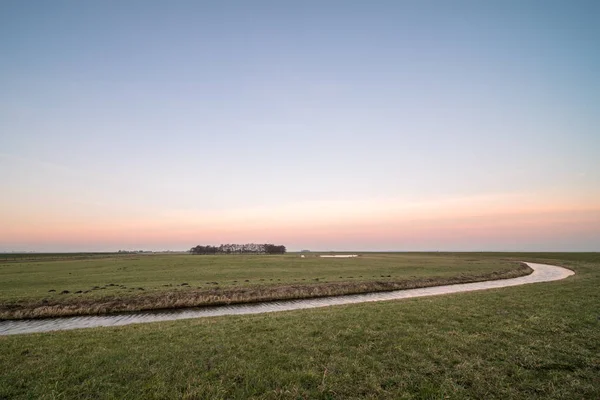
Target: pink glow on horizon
457,222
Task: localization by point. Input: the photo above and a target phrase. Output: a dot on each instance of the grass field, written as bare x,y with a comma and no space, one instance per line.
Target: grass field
535,341
50,285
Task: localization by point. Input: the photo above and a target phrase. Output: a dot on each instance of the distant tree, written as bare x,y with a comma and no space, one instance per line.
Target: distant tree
248,248
274,249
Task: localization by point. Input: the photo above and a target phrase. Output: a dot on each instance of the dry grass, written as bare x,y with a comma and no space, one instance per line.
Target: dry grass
236,295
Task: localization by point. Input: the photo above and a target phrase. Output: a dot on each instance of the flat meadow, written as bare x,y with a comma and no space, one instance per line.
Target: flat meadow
47,285
535,341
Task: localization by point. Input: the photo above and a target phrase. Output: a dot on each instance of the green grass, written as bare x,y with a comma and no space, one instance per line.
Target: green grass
534,341
34,278
52,285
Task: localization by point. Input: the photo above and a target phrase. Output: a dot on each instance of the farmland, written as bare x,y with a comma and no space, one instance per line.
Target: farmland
533,341
54,284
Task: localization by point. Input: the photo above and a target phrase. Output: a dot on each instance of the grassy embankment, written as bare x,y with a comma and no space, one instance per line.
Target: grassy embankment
538,341
34,286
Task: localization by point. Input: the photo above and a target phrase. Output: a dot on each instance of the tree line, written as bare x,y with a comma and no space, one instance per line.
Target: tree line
248,248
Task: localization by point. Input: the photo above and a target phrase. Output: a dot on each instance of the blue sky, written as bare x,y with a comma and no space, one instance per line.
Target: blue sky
163,115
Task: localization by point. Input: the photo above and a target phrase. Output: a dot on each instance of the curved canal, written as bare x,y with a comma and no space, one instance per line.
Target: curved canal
541,273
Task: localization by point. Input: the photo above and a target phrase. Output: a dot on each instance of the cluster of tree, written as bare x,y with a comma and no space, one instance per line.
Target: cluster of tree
248,248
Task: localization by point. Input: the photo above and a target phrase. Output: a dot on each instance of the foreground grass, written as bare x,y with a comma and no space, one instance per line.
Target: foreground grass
534,341
60,285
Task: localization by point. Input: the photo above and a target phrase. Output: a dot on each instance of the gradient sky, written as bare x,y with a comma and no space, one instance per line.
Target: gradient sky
326,125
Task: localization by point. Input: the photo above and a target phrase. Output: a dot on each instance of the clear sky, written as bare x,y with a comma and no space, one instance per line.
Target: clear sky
325,125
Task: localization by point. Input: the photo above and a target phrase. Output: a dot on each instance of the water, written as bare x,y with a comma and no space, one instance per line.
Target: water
541,273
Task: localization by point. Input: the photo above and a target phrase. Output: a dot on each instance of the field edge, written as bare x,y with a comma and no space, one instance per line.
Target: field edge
230,296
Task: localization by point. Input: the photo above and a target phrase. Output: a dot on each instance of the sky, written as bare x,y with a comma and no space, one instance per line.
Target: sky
321,125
